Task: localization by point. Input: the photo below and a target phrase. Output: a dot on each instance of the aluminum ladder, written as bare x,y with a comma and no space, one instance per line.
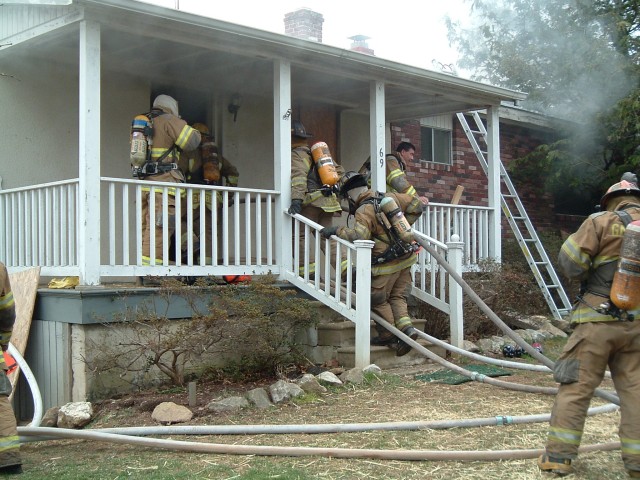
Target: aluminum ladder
521,225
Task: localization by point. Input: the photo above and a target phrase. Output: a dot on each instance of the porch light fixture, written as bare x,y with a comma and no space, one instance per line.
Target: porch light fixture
234,105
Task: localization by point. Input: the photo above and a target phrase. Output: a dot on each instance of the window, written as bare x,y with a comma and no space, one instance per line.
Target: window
436,145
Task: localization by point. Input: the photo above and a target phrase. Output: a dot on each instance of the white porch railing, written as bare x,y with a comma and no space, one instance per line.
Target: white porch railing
240,222
40,227
432,283
471,224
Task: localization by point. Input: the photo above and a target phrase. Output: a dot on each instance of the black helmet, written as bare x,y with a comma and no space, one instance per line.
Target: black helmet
298,130
618,189
351,180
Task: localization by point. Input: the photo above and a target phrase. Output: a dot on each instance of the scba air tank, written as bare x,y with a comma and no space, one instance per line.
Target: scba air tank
324,163
397,219
139,129
625,289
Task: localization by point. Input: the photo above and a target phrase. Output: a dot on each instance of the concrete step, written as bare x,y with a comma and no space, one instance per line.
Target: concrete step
385,357
335,340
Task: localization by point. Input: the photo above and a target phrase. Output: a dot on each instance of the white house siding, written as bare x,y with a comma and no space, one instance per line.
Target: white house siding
15,19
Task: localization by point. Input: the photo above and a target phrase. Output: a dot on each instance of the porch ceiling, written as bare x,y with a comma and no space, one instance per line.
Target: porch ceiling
173,47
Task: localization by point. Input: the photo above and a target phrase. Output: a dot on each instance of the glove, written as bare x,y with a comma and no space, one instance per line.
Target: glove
296,206
328,231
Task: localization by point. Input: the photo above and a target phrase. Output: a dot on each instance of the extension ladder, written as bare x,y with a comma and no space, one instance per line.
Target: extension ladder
521,225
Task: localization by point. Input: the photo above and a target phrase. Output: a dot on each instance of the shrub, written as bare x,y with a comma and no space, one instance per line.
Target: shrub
248,328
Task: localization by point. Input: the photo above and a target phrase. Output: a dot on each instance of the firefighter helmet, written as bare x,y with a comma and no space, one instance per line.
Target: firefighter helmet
166,103
351,180
201,127
618,189
298,130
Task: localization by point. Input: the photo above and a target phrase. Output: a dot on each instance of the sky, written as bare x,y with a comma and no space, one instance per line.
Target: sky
414,33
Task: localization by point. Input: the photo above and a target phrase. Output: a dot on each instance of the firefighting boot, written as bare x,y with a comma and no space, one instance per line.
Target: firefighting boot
385,340
559,466
404,348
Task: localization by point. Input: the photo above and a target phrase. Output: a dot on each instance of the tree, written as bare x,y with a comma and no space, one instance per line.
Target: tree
578,60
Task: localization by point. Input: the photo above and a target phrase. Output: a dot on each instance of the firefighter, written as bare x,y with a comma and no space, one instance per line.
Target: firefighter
171,135
392,257
206,166
395,168
10,462
603,335
308,195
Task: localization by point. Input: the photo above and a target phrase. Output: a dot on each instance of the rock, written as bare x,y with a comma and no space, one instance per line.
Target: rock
282,391
168,413
328,377
353,375
527,335
552,330
259,397
470,346
493,344
50,417
228,404
373,368
149,405
75,415
563,325
310,384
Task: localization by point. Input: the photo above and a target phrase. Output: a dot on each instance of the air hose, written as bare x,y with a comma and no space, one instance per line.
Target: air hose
217,448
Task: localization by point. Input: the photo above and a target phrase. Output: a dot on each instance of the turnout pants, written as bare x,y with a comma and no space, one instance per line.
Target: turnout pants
580,369
318,215
389,299
9,443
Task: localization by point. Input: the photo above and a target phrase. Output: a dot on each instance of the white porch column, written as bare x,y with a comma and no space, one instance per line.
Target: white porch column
89,154
363,302
376,130
455,255
493,178
282,161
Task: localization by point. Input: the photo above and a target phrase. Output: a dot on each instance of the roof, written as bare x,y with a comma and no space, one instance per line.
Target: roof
205,53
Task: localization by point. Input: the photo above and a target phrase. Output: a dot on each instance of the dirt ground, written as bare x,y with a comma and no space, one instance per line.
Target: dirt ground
395,396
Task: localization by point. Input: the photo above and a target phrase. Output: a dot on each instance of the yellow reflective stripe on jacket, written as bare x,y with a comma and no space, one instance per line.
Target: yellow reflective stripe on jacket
147,261
600,261
183,138
6,301
157,152
564,435
630,446
572,250
393,174
170,190
9,443
394,266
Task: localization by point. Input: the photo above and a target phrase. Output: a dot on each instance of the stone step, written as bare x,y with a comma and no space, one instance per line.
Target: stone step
335,340
343,333
385,357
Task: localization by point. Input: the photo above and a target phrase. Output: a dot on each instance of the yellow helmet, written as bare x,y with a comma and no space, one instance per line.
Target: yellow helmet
201,127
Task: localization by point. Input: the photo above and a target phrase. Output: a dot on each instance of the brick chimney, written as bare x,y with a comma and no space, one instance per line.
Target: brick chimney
304,23
359,44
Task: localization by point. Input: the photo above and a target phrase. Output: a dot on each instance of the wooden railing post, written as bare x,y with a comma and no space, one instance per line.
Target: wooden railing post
363,302
454,257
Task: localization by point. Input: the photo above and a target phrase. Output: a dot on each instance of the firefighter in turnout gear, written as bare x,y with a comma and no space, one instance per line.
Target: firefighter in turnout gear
170,136
604,335
395,168
393,252
309,197
9,443
207,166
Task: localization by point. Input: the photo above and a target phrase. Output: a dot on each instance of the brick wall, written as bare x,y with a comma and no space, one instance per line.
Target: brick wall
438,182
304,23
